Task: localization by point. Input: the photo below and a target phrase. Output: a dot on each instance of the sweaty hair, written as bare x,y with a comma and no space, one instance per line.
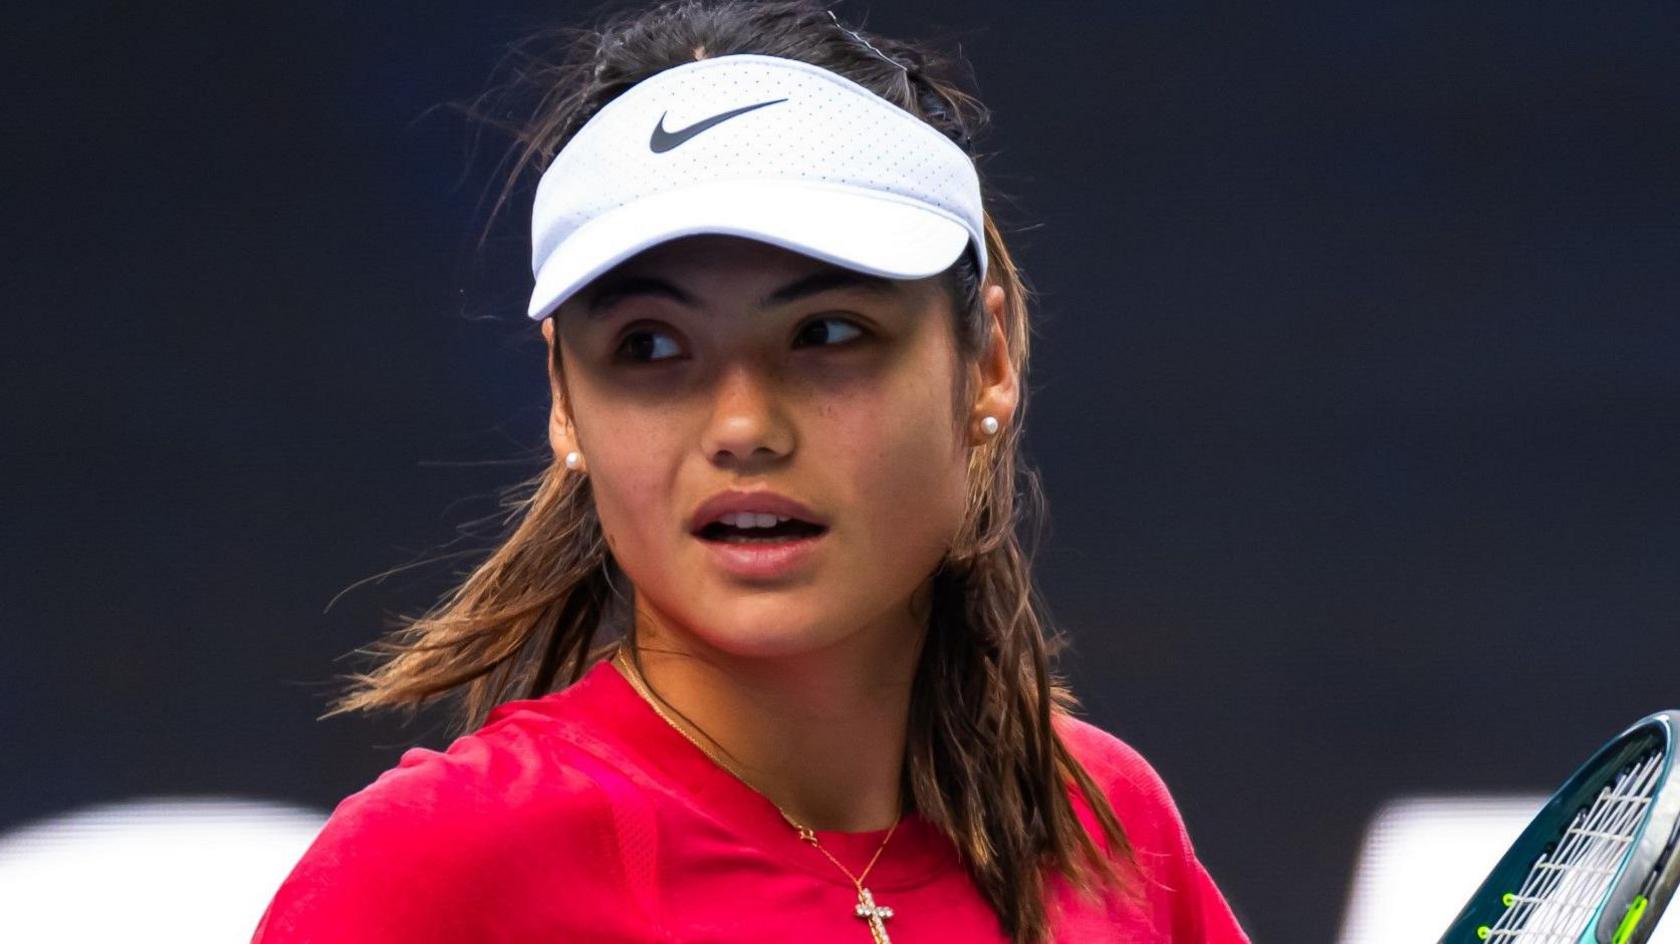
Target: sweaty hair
984,762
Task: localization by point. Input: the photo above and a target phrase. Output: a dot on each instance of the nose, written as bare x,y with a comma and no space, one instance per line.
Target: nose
747,425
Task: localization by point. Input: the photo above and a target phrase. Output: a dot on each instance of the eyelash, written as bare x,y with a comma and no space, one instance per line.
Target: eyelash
650,330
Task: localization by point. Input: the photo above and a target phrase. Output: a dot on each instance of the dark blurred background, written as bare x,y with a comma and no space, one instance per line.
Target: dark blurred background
1355,388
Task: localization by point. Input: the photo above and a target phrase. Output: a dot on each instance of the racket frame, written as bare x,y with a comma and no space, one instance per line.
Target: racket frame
1654,842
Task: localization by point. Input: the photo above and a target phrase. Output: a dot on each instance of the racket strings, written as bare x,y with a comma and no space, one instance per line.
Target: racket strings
1565,886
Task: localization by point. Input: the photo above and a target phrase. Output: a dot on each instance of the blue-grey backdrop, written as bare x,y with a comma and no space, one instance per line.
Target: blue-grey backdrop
1356,392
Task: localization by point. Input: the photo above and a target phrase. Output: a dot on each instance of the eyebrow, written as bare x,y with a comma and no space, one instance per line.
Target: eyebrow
613,290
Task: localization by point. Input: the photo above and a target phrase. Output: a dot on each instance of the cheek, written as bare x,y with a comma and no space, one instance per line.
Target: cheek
629,449
632,478
900,457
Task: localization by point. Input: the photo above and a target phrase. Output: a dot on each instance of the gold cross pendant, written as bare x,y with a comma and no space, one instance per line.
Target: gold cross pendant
875,915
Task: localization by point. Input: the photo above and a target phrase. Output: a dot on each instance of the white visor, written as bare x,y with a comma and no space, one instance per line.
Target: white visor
770,149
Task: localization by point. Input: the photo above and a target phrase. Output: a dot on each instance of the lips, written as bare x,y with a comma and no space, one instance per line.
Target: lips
737,502
763,556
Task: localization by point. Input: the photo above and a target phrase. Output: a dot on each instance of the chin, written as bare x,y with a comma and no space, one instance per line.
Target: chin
771,630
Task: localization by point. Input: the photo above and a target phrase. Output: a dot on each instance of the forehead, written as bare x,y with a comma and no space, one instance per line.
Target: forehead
700,270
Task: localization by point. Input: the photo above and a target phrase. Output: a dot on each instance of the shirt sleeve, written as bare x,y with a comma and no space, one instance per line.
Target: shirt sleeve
1209,915
380,870
1186,899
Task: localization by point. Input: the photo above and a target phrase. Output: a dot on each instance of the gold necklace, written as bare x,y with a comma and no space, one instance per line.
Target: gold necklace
866,909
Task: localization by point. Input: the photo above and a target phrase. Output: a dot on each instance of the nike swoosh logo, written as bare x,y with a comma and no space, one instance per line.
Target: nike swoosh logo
663,140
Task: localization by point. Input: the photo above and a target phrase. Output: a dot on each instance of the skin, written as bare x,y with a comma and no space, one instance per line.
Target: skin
840,399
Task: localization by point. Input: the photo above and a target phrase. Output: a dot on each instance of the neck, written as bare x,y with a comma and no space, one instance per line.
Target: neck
821,734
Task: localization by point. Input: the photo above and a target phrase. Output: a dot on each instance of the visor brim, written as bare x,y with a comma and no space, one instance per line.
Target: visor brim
866,231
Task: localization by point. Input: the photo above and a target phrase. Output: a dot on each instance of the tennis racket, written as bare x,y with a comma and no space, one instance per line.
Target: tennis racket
1598,864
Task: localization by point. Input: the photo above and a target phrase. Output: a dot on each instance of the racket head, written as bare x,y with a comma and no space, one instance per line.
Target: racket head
1627,789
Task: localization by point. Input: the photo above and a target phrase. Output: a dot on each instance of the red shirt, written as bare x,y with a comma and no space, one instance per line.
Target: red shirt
583,816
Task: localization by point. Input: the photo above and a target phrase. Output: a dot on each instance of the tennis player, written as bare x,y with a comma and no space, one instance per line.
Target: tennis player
760,659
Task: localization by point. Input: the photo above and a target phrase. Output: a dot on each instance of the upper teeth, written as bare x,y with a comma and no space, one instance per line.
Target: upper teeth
751,519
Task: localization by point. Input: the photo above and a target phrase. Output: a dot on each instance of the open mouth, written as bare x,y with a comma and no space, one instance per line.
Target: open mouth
789,529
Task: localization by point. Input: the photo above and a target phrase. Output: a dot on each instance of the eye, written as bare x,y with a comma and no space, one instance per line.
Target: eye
647,345
828,332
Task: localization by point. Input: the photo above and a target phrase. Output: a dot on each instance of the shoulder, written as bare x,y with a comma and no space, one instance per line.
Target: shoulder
521,764
1187,905
422,852
1133,787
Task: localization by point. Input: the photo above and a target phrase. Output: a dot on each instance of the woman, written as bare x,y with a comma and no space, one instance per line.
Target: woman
786,346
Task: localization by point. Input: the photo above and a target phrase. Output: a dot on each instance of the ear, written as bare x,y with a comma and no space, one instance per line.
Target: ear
562,437
997,392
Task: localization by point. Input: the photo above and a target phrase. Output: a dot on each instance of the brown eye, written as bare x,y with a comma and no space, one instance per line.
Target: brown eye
647,345
829,332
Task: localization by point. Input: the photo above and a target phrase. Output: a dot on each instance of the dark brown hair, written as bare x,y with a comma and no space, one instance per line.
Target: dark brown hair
984,762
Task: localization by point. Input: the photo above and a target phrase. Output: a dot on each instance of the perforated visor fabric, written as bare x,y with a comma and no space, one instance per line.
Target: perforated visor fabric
821,166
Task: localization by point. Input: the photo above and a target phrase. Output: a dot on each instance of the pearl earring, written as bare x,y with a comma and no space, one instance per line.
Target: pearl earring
989,425
573,460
